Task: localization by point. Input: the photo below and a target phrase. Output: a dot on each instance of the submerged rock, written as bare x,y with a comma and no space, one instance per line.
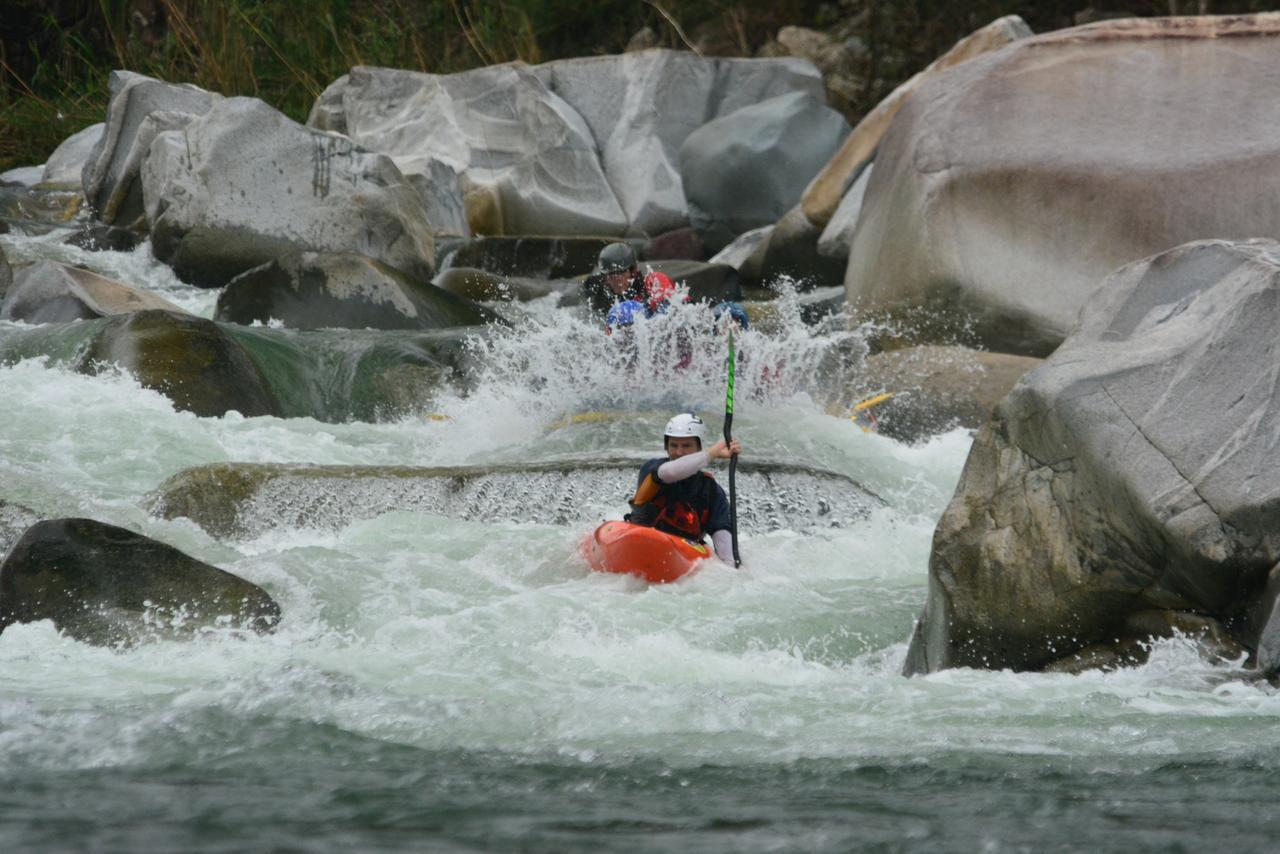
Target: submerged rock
50,292
247,500
106,585
1006,188
1133,470
309,290
190,360
215,212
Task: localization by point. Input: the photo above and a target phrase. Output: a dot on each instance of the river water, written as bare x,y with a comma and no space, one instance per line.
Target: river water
439,684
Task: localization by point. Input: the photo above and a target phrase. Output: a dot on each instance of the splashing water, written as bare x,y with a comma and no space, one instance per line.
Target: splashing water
449,683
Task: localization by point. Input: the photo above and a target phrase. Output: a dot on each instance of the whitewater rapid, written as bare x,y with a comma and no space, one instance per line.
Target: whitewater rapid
491,653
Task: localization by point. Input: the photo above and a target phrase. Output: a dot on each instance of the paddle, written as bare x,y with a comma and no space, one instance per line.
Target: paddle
733,460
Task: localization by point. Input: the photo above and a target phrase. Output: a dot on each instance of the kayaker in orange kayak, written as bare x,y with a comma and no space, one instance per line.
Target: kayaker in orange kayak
675,495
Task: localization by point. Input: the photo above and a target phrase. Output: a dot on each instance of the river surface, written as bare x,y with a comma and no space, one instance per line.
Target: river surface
439,684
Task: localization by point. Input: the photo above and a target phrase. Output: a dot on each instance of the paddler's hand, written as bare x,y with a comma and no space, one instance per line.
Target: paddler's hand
721,451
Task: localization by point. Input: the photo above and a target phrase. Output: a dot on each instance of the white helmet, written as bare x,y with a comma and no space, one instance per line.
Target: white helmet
686,424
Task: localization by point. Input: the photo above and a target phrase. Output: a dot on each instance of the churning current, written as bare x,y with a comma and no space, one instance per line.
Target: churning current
440,683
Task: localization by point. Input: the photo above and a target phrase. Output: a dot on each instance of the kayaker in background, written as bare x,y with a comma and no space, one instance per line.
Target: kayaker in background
618,281
675,495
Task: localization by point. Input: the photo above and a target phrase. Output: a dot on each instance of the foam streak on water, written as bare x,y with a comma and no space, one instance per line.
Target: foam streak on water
441,683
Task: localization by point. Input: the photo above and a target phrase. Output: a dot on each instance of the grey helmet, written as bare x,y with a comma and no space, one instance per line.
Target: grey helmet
616,258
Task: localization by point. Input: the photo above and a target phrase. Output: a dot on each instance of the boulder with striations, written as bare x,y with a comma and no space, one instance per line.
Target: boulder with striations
215,211
527,161
140,109
585,146
1133,470
1008,187
641,107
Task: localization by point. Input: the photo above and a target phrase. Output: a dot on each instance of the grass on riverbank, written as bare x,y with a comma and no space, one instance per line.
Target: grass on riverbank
55,58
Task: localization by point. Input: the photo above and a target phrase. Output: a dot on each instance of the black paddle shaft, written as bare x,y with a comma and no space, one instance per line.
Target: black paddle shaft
733,489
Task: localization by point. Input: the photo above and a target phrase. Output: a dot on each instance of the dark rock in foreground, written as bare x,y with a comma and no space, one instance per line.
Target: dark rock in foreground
106,585
246,500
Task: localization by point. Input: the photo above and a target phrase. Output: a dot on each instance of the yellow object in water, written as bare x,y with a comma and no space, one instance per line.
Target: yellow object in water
872,401
862,415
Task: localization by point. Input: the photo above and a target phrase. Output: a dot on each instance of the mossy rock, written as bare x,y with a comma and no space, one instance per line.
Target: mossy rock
106,585
190,360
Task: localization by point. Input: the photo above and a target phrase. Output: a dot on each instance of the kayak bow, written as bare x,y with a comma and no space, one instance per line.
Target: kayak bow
628,549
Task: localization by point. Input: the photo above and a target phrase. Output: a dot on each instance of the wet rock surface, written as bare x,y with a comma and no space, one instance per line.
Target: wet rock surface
106,585
244,500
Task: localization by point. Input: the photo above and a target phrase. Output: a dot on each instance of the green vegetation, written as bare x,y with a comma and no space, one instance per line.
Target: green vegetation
55,56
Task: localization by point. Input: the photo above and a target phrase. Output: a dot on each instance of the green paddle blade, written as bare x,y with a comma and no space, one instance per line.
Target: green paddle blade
728,403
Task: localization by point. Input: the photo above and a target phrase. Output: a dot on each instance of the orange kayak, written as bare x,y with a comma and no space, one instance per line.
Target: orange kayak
656,557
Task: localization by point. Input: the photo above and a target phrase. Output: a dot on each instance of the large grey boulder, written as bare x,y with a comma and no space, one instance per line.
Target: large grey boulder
51,292
641,107
1007,188
527,161
746,169
823,196
102,584
309,290
243,185
140,109
584,146
1135,469
65,167
190,360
